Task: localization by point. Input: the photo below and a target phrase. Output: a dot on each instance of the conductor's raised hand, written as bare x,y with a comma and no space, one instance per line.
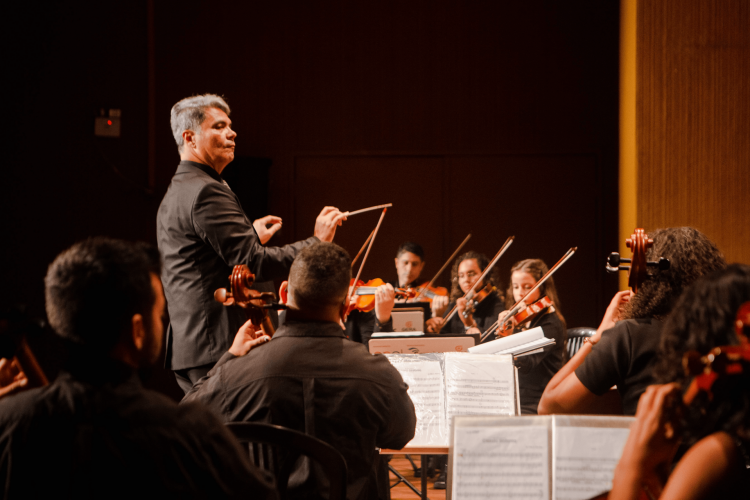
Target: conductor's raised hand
247,338
327,222
265,232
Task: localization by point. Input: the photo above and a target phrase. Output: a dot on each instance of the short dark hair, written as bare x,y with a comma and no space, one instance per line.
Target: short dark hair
320,275
704,318
94,288
410,246
691,255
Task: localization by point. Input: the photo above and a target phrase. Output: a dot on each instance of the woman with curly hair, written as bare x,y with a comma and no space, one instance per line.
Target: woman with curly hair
480,314
536,370
623,350
716,427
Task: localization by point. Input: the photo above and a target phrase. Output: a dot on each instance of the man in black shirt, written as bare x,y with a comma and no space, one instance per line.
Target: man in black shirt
203,233
312,379
95,432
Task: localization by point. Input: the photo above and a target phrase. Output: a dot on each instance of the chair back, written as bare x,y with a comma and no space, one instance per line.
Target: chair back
278,449
575,338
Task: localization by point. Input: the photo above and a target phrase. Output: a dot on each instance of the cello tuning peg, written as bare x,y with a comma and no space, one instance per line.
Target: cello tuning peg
613,259
663,264
624,268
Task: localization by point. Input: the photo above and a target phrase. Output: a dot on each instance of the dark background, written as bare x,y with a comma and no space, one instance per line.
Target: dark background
489,117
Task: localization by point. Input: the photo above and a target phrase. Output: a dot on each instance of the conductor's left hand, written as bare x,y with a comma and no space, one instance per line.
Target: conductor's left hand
264,232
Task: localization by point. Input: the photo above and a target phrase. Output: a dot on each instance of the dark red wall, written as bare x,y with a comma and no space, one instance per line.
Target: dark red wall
493,117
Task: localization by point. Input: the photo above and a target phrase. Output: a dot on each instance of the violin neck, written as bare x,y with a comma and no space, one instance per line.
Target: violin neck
366,290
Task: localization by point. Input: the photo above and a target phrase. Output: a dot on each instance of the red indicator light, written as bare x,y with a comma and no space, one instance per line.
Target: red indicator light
109,122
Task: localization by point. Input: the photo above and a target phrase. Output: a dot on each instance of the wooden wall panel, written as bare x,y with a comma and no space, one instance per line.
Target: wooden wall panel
693,117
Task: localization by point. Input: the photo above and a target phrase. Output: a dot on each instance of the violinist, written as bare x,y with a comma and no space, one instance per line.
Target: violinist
623,350
536,370
477,315
409,264
715,426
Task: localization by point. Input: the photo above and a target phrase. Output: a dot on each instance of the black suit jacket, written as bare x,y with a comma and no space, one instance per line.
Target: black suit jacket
202,234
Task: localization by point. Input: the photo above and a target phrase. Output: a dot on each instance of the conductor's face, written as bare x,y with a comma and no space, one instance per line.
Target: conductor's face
215,143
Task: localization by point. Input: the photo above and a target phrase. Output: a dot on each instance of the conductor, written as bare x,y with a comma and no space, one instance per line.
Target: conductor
202,232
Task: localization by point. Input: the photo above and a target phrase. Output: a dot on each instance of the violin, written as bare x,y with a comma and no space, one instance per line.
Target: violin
469,296
426,293
473,299
365,293
255,304
638,243
529,314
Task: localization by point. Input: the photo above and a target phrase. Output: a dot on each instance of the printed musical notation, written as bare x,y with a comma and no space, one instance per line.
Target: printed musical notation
506,462
585,459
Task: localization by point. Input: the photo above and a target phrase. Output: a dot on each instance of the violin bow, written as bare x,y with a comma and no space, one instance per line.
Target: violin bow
486,271
453,256
362,249
364,259
363,210
513,310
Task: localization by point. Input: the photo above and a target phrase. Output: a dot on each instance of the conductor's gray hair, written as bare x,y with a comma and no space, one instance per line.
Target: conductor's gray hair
189,114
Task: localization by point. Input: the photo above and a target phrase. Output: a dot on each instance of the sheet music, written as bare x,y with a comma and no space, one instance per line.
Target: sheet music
585,460
479,384
535,344
501,462
425,379
506,343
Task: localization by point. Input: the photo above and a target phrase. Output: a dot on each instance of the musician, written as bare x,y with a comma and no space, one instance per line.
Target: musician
536,370
203,233
311,379
480,314
409,264
715,427
623,350
95,432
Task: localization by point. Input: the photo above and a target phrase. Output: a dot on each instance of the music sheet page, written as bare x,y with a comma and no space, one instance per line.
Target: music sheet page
585,460
425,380
501,462
479,384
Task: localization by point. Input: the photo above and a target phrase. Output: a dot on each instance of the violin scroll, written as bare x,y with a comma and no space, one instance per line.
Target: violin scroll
255,304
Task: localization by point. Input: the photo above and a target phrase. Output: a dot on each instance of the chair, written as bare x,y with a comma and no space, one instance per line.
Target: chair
575,338
277,450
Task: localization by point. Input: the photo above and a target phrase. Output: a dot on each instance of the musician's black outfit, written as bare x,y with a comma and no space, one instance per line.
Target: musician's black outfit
536,370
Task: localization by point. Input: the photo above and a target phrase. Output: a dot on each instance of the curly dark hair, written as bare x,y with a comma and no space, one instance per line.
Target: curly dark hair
493,279
536,268
704,318
691,255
